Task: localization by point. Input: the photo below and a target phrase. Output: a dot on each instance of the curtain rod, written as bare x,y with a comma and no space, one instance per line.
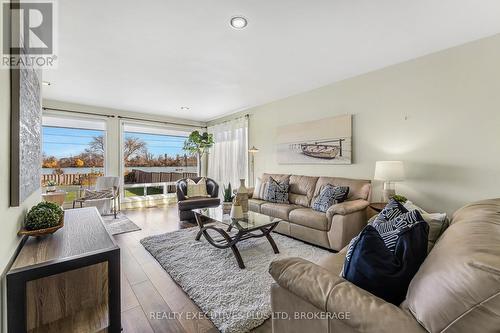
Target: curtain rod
226,121
80,112
160,121
122,117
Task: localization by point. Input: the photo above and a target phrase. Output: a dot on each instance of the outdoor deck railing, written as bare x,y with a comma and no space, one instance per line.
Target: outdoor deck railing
134,177
137,183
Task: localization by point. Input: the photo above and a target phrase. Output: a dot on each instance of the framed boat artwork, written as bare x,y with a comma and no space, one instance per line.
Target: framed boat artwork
323,141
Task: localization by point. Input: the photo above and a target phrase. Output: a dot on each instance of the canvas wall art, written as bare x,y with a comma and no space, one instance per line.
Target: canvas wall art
323,141
26,136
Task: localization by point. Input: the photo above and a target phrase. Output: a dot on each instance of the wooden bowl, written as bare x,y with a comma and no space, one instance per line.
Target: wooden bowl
42,232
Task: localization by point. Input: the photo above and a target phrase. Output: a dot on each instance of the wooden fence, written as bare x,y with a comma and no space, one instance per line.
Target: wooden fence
70,178
134,177
141,177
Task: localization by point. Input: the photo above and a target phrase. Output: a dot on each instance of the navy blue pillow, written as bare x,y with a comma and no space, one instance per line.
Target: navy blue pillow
330,195
372,266
390,230
392,210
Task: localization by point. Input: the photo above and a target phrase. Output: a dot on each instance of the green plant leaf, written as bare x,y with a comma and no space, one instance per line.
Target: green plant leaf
198,144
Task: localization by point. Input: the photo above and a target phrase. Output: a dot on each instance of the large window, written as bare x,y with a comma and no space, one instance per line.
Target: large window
73,153
153,159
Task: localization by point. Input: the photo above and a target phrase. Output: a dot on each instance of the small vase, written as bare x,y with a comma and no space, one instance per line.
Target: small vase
226,207
242,196
51,188
236,212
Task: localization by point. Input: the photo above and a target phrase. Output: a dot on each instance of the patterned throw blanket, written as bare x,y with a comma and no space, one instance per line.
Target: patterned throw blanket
98,194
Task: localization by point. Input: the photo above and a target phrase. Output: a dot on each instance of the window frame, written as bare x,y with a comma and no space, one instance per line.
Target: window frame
64,116
145,125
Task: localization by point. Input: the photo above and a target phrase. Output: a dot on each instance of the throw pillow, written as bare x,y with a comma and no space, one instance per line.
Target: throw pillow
411,206
437,225
99,194
390,230
263,190
259,192
277,192
392,210
381,223
330,195
438,222
371,265
197,189
257,188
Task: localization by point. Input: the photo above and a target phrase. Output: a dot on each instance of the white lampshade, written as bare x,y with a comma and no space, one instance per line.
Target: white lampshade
391,171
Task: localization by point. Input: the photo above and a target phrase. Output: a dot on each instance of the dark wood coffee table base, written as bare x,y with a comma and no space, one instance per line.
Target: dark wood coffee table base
229,241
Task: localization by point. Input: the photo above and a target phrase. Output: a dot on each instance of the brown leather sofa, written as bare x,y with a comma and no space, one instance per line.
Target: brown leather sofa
185,204
457,288
333,229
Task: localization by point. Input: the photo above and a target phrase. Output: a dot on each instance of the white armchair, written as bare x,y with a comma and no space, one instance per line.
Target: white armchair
106,190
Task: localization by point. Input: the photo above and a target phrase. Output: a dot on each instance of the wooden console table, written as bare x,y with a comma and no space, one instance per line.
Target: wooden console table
68,281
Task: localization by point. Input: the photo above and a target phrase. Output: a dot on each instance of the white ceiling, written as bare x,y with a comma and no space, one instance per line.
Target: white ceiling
155,56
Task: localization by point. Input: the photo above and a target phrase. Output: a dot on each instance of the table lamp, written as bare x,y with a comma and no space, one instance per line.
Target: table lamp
390,172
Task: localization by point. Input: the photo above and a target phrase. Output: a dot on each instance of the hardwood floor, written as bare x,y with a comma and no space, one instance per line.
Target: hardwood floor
151,300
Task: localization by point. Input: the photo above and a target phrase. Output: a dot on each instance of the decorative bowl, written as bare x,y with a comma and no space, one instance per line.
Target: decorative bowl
42,232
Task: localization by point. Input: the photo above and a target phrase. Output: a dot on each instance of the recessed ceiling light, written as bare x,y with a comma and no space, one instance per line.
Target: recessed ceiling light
238,22
185,108
46,83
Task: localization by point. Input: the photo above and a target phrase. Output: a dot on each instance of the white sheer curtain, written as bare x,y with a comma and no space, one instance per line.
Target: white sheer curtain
228,158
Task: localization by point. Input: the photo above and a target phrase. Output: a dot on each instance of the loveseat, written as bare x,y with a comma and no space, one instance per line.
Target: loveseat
456,289
333,229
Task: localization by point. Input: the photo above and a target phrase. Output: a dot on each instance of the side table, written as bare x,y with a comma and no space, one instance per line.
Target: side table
374,208
378,206
56,197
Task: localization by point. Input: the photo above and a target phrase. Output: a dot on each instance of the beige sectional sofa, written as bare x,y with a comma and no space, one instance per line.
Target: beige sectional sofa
333,229
457,288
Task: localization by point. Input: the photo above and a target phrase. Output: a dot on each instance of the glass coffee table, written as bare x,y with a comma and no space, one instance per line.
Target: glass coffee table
253,225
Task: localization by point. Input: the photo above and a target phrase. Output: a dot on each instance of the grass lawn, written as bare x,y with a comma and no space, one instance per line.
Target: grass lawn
72,192
70,196
139,191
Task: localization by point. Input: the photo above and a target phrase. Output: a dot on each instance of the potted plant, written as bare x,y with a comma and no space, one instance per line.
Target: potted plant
51,186
228,199
42,219
90,178
198,144
399,198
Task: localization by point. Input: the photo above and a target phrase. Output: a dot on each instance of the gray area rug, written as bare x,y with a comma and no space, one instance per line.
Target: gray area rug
120,225
236,300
